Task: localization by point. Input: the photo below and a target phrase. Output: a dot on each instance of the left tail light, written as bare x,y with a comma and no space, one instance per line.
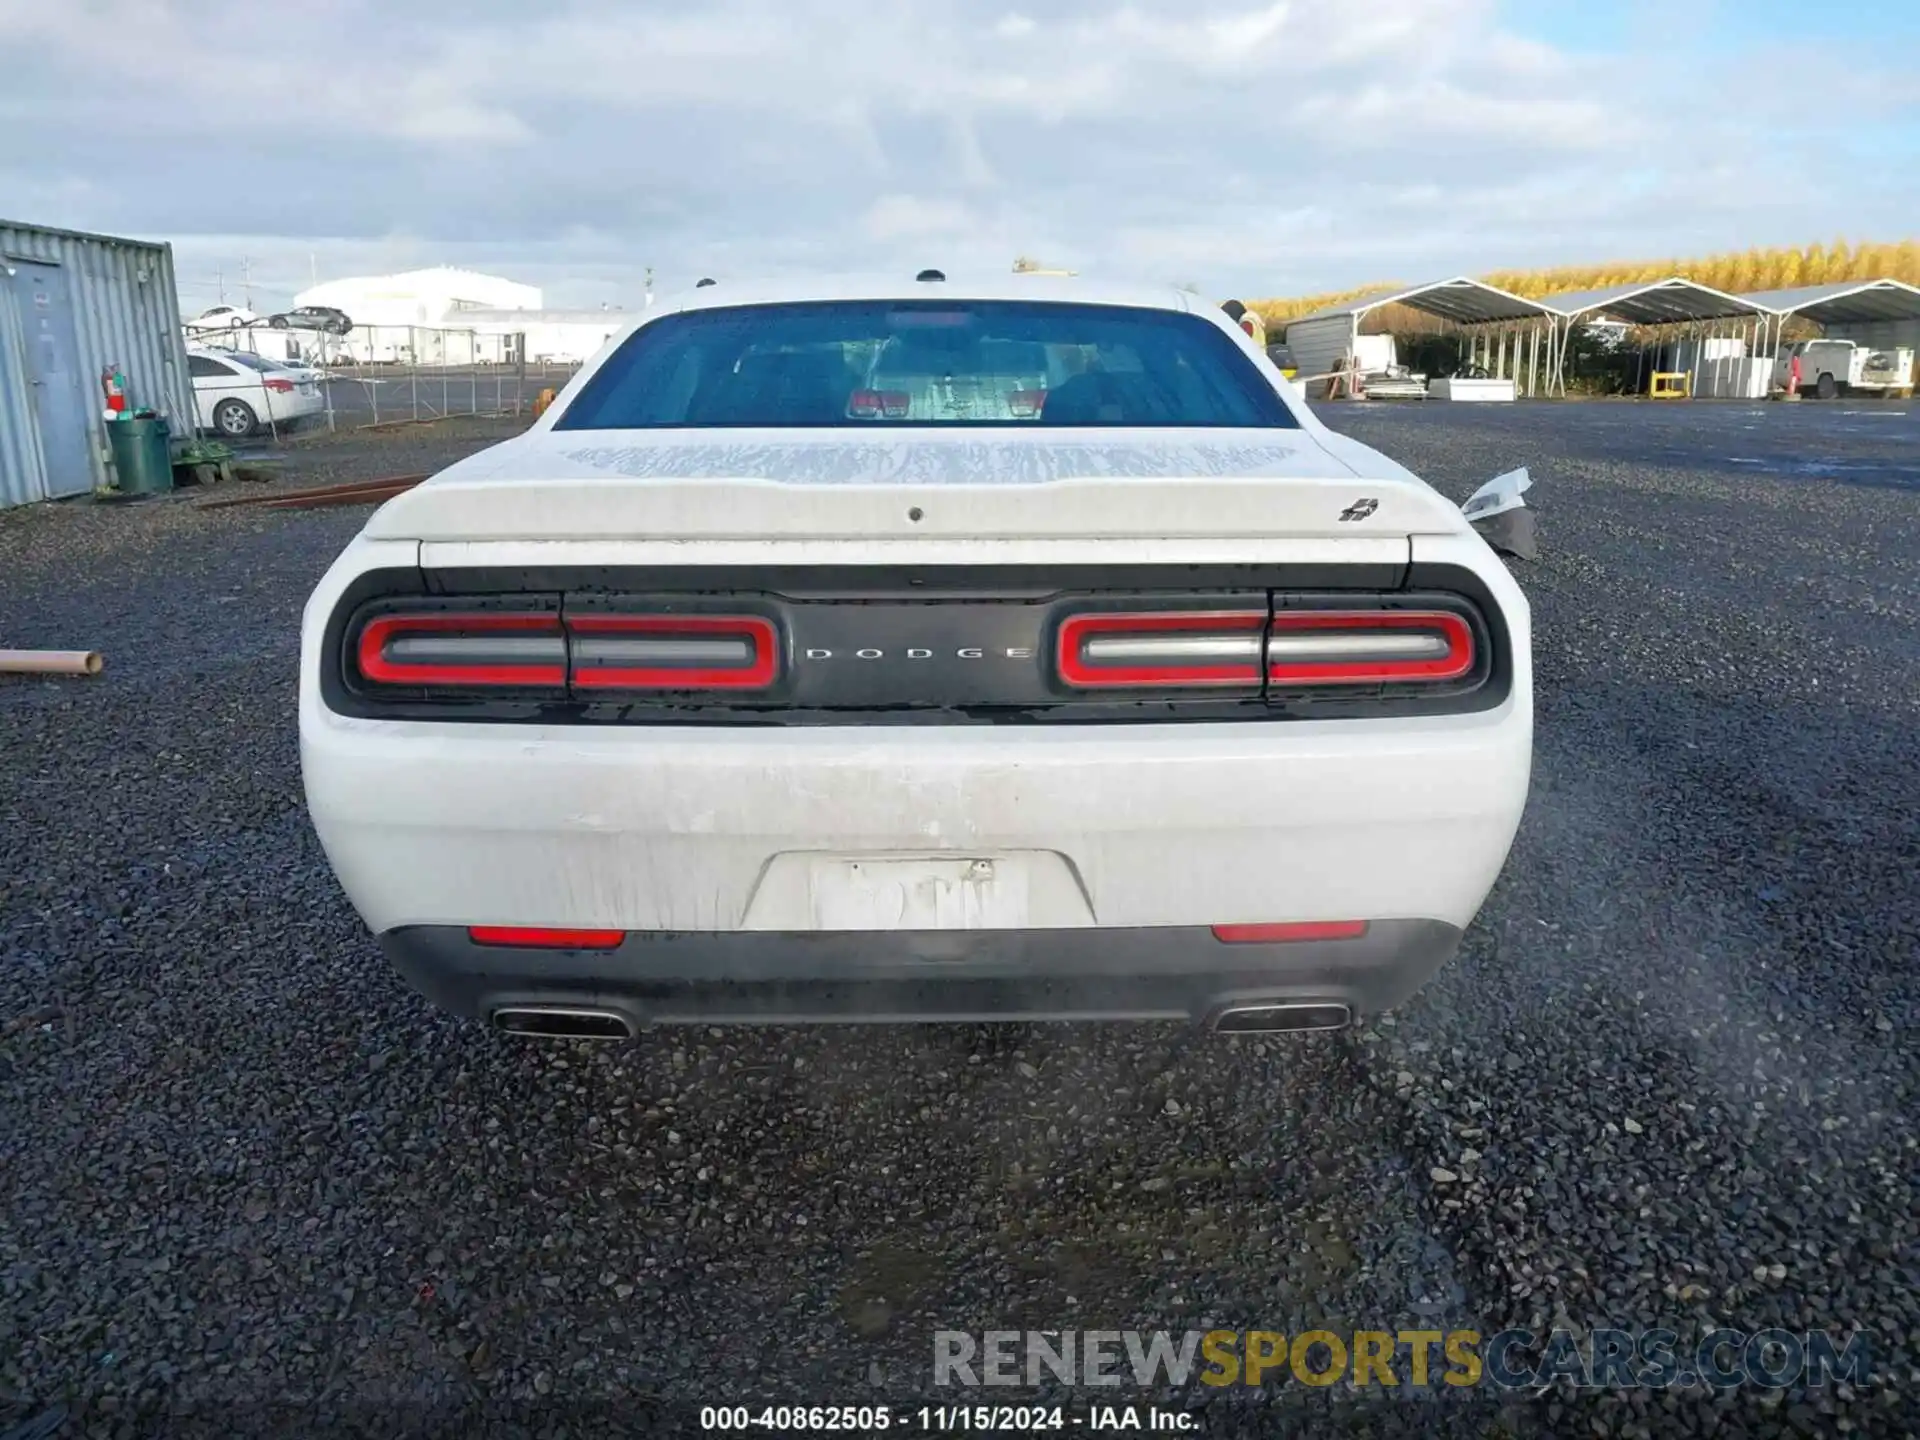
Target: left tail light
673,652
483,650
459,652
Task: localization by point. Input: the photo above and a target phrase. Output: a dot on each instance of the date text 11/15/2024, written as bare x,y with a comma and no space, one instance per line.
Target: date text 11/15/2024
938,1419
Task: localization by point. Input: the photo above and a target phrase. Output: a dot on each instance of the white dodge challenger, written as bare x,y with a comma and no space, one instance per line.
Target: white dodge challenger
918,650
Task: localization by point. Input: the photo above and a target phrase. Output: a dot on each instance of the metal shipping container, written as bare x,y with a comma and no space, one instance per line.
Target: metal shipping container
71,306
1320,346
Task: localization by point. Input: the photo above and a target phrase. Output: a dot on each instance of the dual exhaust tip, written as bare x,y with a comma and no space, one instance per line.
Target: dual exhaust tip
1266,1017
557,1022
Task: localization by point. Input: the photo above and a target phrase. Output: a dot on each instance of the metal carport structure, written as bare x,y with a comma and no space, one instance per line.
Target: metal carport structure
1322,342
1880,313
1654,303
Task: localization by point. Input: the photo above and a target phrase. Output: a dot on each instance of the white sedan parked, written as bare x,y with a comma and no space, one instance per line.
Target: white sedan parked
742,687
238,395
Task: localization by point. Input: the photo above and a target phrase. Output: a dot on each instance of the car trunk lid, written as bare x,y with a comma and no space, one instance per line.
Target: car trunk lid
910,485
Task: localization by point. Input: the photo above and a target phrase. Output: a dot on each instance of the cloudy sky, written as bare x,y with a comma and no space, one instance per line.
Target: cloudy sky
1242,146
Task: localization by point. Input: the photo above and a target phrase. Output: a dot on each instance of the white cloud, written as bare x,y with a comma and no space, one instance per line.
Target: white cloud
1247,145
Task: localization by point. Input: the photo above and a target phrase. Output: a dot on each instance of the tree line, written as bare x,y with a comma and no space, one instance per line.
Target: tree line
1740,272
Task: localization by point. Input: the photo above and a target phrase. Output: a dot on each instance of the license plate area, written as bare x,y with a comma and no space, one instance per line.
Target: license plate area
918,891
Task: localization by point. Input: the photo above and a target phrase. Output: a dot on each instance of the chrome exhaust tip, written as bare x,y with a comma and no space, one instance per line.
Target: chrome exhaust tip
1262,1018
559,1022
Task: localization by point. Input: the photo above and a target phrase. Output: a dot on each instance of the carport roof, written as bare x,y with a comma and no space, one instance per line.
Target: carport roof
1463,300
1657,302
1849,302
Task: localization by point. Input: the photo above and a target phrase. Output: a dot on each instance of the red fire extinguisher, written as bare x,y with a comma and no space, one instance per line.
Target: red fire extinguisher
115,384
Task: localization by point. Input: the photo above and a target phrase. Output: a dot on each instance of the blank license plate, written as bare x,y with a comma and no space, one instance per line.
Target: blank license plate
960,892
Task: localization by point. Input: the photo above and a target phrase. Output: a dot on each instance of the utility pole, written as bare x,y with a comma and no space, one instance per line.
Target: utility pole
220,284
649,285
246,282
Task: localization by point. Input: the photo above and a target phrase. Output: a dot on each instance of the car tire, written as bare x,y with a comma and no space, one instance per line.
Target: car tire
234,419
1825,387
278,322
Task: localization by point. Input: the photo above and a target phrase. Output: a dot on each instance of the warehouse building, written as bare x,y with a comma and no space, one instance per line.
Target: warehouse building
434,298
73,306
559,337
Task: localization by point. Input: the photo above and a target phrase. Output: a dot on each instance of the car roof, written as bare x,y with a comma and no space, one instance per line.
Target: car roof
901,285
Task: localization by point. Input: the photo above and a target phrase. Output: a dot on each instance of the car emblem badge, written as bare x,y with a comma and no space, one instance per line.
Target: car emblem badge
1360,509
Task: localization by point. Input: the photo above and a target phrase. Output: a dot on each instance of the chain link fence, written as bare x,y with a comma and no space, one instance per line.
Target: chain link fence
290,380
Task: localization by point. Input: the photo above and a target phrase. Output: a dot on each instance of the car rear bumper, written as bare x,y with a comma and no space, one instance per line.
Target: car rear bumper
692,830
1077,974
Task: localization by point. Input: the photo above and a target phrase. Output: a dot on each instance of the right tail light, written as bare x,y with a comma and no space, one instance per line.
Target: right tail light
1368,647
1333,649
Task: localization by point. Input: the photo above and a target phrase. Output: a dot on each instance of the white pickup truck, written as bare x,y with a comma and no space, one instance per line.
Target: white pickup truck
1837,367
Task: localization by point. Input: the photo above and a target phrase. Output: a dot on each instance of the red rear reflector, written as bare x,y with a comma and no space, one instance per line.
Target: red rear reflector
674,652
1025,404
490,649
1291,930
872,404
1354,647
1171,649
542,937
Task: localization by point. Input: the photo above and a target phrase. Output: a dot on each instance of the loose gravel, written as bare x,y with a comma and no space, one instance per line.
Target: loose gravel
253,1185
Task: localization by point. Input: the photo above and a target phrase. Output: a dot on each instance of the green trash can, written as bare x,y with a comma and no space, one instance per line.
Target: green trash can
142,457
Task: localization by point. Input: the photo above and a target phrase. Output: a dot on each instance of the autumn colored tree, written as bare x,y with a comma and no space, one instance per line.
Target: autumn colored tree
1740,273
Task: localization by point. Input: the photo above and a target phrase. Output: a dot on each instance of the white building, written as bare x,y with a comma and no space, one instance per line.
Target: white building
564,337
432,298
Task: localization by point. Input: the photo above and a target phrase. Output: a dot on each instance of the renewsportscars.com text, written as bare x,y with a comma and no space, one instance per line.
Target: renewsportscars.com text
1512,1359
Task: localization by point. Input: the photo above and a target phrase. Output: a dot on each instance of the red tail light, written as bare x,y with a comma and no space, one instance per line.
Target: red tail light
1161,649
545,937
591,651
489,650
1025,404
1357,647
673,652
874,404
278,386
1290,931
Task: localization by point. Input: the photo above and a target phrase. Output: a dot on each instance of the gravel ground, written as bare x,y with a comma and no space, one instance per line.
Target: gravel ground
253,1185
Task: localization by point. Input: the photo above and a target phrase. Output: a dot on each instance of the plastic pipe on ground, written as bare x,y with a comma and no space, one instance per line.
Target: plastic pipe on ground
50,662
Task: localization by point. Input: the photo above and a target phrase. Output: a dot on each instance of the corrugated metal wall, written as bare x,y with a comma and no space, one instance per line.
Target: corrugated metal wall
1880,334
126,313
21,476
1318,347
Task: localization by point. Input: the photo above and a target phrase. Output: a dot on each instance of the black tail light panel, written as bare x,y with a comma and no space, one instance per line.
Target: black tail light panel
1133,644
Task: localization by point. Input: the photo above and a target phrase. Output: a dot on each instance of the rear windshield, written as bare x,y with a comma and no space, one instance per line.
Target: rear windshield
968,363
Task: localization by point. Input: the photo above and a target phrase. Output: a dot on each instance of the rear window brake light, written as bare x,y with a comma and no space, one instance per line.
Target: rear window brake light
877,404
